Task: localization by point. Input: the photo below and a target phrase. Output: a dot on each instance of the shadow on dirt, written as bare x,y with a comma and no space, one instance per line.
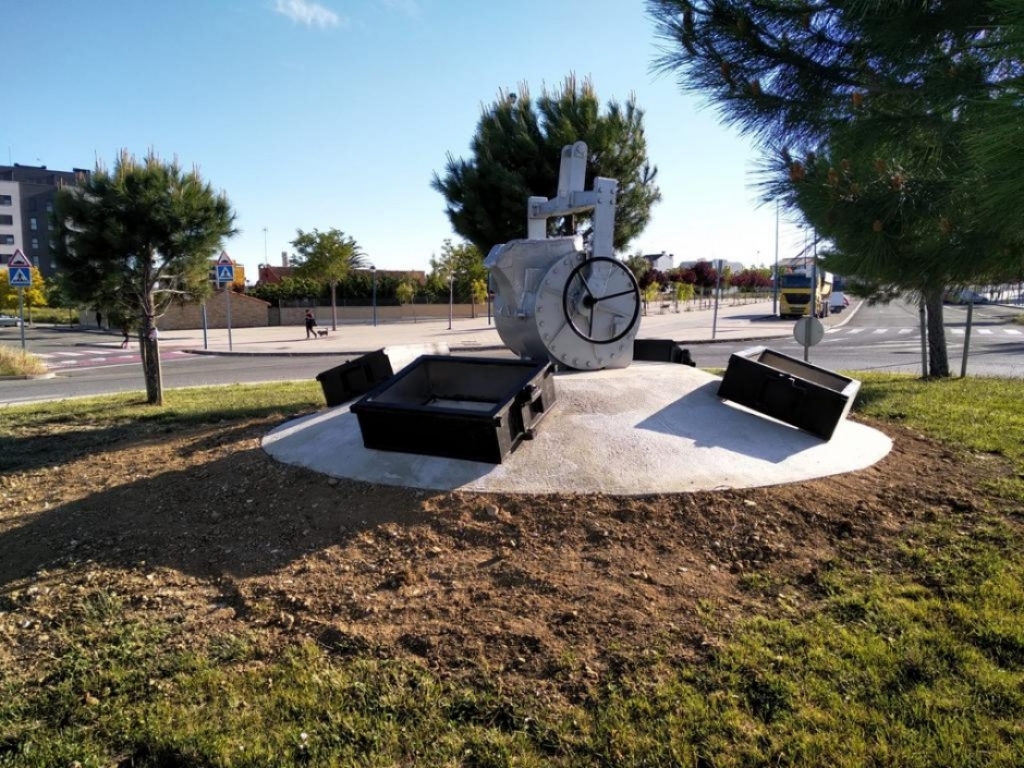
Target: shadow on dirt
232,516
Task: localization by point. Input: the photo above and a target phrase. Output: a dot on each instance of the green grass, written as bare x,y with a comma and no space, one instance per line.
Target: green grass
182,407
916,663
41,434
979,415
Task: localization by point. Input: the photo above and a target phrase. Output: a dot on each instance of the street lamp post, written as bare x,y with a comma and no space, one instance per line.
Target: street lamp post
451,297
775,276
374,300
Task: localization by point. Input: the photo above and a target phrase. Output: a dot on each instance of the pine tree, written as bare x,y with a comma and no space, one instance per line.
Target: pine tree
134,238
516,153
866,111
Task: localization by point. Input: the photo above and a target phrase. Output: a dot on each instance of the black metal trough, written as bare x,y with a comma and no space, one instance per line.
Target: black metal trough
479,409
806,396
662,351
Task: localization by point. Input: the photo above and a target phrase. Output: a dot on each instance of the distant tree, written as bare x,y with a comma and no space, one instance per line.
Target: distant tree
682,292
32,297
750,279
638,265
655,277
479,290
132,239
462,264
58,297
327,257
405,292
516,153
704,275
650,294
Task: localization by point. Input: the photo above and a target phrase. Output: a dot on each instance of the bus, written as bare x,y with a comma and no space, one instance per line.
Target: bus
795,293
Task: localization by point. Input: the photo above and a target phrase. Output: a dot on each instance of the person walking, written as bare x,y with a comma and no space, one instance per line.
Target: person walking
310,325
124,333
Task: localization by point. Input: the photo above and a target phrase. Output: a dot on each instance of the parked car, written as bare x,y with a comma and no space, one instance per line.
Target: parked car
964,297
6,321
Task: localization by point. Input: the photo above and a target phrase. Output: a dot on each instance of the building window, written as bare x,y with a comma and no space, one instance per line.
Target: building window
33,223
35,243
7,239
49,207
5,219
53,264
6,200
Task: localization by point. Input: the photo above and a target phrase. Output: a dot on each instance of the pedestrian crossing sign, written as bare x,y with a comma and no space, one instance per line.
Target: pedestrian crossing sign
225,273
19,278
19,271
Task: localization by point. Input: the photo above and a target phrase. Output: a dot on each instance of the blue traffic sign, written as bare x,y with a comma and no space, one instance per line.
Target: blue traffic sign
225,273
19,277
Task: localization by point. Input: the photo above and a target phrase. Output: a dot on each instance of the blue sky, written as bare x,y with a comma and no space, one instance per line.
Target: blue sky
337,113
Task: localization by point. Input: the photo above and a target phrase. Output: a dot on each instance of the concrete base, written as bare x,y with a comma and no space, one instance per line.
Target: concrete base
650,428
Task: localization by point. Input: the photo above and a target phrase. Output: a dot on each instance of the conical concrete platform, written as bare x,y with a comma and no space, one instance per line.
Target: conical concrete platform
649,428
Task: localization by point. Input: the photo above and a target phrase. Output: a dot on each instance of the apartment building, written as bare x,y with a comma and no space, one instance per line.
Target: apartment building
27,193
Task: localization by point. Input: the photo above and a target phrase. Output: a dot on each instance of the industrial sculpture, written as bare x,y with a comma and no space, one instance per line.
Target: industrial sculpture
554,299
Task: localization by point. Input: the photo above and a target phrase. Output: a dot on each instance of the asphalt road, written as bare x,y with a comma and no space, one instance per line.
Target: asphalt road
887,338
876,339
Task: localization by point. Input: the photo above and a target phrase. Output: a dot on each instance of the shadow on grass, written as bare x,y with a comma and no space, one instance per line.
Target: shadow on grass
65,437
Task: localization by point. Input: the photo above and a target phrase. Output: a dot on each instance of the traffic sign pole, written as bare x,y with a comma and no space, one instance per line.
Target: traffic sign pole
21,314
225,271
227,296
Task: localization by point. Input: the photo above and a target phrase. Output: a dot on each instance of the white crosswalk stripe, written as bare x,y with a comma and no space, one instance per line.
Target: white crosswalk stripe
97,357
950,331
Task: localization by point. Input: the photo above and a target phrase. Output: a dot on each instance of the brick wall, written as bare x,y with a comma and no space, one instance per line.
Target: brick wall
246,312
391,314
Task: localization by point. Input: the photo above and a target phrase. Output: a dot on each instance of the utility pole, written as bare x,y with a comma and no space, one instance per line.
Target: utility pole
775,281
451,295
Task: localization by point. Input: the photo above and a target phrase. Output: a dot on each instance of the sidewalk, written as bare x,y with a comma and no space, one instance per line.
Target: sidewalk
740,322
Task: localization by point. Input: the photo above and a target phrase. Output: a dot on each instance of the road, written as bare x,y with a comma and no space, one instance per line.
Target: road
875,339
887,338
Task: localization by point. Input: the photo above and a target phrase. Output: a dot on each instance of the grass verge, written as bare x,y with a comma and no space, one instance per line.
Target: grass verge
916,663
16,362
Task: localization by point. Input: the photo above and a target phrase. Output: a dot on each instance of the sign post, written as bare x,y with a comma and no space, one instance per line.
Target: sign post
808,331
225,277
719,267
19,275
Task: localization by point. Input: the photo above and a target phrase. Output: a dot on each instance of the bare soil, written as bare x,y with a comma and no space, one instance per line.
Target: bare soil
202,528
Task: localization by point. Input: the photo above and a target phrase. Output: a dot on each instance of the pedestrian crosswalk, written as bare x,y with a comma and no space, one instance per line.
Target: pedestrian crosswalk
97,357
872,332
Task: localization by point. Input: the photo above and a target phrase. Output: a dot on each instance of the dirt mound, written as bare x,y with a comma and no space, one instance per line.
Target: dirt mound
206,530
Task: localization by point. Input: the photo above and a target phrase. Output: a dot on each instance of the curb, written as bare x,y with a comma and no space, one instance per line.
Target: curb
29,376
335,353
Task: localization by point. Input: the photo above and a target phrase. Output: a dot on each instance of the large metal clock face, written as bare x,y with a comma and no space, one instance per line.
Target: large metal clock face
586,310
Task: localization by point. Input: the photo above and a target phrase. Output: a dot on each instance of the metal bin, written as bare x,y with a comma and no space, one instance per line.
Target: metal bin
662,351
354,378
478,409
807,397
